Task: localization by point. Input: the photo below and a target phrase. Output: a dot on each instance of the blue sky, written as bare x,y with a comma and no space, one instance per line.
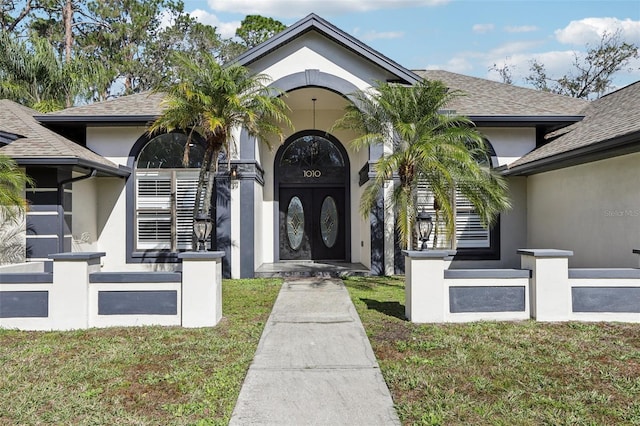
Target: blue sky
461,36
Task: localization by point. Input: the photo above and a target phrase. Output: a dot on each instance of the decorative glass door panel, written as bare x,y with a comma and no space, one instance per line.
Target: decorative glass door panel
295,223
312,224
329,222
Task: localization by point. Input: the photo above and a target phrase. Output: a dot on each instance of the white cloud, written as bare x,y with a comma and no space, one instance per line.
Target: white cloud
167,19
513,48
376,35
590,30
483,28
556,64
225,29
300,8
459,64
521,29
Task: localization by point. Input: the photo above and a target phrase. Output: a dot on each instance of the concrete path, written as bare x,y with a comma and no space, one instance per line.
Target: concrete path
314,364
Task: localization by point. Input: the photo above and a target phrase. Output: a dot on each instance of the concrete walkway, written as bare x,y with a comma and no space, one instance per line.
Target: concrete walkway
314,364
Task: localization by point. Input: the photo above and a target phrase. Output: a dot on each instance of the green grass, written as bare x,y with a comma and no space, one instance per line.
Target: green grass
500,373
135,376
488,373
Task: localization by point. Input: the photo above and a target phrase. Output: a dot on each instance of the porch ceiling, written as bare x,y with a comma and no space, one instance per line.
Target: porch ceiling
301,99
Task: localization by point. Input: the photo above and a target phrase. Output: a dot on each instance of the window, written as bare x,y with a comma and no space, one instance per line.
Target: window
472,240
165,193
469,231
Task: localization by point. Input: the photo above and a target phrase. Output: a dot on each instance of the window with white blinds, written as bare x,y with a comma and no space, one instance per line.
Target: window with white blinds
469,232
164,208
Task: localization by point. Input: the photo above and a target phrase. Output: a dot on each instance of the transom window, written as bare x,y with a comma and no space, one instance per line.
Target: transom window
165,190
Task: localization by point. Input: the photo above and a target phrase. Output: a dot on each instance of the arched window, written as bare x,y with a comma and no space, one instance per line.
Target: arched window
165,191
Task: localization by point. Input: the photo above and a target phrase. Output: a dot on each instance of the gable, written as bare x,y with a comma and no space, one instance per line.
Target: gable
313,43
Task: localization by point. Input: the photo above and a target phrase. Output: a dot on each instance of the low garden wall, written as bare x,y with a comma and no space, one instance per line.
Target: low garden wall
76,295
544,288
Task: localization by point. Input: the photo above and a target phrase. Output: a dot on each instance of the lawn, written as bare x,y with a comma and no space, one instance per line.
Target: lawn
500,373
135,376
488,373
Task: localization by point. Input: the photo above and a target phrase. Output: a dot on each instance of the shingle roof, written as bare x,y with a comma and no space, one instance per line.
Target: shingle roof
490,98
33,140
611,117
140,106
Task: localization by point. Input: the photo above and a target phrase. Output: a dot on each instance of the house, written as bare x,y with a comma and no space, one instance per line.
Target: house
104,184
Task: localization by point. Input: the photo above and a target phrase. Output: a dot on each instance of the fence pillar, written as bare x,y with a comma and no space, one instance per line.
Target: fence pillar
637,251
69,296
201,288
424,285
550,292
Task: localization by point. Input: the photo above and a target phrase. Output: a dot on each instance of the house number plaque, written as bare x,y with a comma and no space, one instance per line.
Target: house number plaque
311,173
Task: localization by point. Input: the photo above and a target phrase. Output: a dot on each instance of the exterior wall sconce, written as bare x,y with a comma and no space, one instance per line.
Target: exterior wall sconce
233,173
202,227
424,226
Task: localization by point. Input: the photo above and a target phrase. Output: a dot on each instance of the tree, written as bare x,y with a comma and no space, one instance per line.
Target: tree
33,75
211,101
505,72
12,208
255,29
12,184
428,146
592,74
118,33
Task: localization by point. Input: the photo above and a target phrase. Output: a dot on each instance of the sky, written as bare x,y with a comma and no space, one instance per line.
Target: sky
463,36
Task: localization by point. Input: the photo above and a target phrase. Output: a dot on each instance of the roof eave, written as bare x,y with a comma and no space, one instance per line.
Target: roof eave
103,169
625,144
314,22
524,120
130,120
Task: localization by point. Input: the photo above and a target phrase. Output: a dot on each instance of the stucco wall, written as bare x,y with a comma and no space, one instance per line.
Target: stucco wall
592,209
510,143
312,51
114,143
85,215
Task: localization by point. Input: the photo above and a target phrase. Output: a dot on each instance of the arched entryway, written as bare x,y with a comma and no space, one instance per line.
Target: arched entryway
312,186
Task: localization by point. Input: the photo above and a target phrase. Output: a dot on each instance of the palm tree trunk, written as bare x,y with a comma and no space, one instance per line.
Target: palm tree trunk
201,188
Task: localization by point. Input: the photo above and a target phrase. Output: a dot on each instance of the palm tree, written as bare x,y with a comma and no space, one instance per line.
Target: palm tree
33,74
212,100
427,146
12,208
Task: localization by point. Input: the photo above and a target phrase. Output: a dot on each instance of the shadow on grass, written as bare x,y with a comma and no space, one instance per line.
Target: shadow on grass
392,309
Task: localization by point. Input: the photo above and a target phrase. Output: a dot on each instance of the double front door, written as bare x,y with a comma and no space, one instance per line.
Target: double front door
312,223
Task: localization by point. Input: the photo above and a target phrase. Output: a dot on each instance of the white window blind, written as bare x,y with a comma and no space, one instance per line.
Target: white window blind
164,208
469,230
186,185
468,226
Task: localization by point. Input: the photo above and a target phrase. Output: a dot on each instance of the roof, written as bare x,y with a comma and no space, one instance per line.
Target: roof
137,108
29,142
485,99
611,123
313,22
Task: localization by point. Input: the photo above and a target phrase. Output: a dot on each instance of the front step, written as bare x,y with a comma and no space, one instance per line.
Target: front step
311,270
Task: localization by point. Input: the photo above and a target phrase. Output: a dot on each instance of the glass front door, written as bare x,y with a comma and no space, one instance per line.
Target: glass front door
312,224
312,185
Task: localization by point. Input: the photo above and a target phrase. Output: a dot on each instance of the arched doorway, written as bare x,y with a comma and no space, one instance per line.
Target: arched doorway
312,183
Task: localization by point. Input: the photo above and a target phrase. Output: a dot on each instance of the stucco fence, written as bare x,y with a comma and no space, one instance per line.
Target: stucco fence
544,288
76,295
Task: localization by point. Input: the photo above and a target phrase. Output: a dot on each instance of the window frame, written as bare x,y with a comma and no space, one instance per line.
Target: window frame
143,255
492,252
